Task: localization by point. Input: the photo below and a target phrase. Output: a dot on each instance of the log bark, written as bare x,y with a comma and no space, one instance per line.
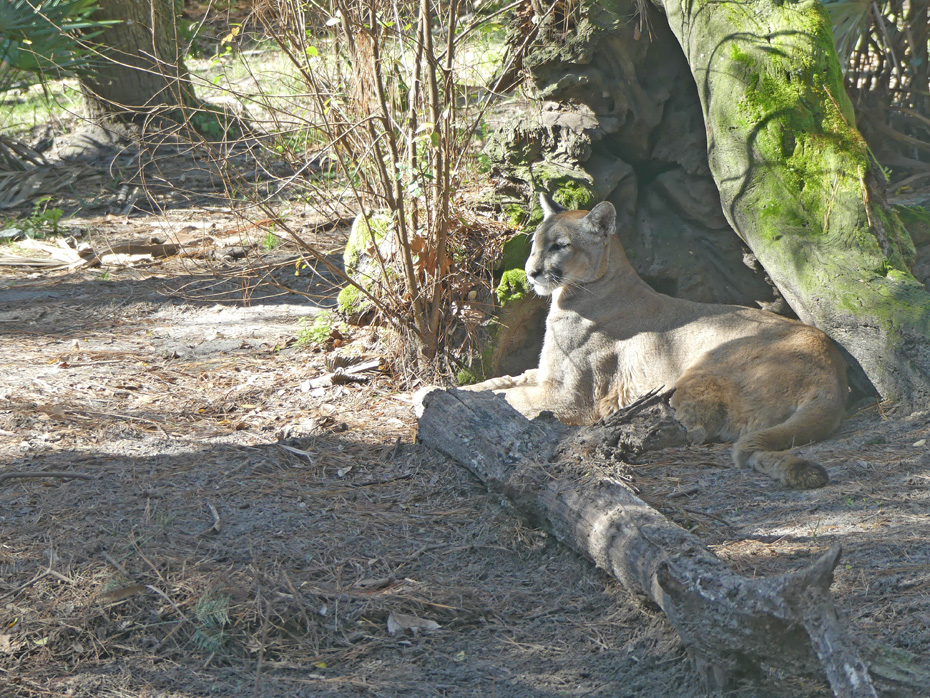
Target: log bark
560,478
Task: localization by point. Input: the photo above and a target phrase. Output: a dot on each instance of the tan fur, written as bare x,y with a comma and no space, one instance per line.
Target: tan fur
744,375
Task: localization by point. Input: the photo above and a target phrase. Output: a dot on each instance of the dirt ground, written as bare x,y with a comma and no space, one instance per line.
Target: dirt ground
232,527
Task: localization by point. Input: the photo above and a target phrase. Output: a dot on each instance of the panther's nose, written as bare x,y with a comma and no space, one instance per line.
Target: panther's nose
534,273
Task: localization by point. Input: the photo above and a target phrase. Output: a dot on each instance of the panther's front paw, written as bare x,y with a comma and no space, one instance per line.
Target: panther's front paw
419,396
499,383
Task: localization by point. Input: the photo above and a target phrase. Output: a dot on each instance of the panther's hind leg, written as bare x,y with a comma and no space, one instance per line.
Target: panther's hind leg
784,466
710,408
766,450
700,405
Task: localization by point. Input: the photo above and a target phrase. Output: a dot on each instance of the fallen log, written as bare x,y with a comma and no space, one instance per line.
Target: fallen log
562,479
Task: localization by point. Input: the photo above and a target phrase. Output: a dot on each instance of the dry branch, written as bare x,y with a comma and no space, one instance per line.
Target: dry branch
732,626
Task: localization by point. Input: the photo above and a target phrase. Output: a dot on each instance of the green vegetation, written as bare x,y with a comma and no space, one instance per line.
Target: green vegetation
517,215
38,52
39,42
210,617
213,123
514,286
572,192
794,176
42,222
297,83
317,330
350,300
812,146
466,377
369,229
515,252
26,108
270,241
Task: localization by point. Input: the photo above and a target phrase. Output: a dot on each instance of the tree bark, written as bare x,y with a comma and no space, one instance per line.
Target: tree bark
731,626
142,70
620,120
797,183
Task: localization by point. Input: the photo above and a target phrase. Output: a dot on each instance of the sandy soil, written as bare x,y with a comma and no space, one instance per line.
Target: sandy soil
234,528
244,533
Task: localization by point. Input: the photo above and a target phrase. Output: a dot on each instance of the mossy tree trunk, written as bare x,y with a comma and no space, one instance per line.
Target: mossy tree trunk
797,183
143,70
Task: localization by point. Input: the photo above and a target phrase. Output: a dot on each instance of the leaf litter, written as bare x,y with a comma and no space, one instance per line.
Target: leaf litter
225,531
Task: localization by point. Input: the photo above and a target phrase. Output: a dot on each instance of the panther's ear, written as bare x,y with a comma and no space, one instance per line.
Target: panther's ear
549,207
602,219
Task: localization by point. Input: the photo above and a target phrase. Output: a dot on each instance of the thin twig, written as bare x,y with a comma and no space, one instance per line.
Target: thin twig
38,577
49,473
116,565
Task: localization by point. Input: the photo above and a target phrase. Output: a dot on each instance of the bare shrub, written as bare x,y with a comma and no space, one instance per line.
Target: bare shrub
375,120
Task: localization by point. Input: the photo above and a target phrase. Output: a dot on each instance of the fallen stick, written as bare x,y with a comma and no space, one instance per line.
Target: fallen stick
48,473
731,626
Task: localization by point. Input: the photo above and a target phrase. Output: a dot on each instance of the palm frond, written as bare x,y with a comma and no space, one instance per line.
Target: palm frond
850,19
44,38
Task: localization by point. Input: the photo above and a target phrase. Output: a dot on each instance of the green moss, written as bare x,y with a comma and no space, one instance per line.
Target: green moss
350,300
916,219
318,329
367,228
515,252
800,125
738,55
903,252
898,275
466,377
514,286
535,216
793,172
573,195
571,187
516,214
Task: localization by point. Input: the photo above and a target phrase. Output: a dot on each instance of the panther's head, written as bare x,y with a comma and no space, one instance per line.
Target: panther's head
569,247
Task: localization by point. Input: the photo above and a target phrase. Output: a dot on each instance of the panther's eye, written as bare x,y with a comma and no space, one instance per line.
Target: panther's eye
556,246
